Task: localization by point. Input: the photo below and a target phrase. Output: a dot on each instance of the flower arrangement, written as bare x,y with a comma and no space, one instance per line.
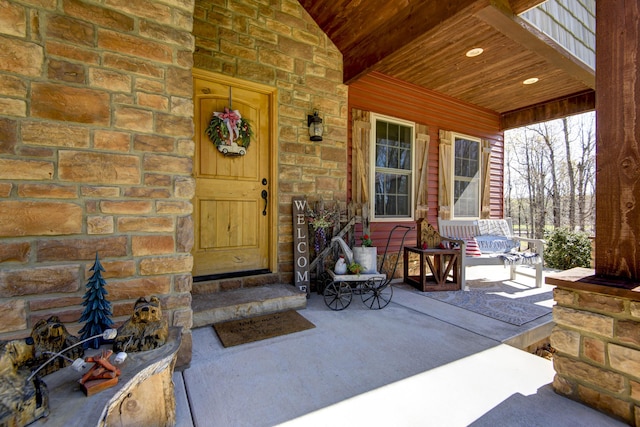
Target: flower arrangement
354,268
366,241
321,220
227,127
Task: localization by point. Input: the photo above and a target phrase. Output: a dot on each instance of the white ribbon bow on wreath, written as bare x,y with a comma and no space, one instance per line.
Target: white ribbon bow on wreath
231,119
228,127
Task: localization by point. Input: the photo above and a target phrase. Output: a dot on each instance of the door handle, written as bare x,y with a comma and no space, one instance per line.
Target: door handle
265,196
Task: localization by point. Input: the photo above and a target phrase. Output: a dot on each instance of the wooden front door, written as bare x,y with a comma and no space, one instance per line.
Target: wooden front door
232,206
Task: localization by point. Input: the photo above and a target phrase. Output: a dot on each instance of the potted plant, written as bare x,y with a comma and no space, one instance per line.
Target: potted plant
366,255
354,268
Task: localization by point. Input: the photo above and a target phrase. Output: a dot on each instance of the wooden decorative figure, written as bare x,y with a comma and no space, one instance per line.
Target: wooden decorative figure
97,309
145,330
428,237
23,398
51,337
101,375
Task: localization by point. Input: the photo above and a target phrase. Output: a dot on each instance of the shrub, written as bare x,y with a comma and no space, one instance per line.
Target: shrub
566,249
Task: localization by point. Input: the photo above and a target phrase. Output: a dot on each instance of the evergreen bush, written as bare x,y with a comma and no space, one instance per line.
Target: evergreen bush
565,249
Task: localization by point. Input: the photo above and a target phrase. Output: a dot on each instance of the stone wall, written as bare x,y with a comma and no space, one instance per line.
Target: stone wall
597,343
96,143
95,156
275,42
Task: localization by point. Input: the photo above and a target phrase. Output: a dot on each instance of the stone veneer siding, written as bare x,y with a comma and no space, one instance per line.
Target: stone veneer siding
96,142
275,42
96,147
597,343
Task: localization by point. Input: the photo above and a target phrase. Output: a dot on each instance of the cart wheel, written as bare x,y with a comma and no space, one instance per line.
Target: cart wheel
377,295
323,280
337,295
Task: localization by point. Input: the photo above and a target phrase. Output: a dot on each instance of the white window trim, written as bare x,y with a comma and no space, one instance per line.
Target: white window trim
372,167
455,135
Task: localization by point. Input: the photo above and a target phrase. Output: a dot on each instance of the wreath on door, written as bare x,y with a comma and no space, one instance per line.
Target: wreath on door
229,132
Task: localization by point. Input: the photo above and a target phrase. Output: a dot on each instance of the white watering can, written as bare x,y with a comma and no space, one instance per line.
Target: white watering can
366,257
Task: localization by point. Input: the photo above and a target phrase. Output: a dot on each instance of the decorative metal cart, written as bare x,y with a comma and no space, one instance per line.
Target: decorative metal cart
375,288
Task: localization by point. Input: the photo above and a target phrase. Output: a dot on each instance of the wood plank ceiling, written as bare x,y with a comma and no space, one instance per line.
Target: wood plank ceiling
424,42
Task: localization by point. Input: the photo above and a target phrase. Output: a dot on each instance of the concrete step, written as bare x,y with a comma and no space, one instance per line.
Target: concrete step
532,336
229,283
245,302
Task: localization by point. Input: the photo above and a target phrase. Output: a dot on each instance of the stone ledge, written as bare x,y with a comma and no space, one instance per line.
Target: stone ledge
584,279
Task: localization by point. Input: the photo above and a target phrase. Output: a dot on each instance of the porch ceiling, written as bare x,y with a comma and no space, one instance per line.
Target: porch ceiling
424,42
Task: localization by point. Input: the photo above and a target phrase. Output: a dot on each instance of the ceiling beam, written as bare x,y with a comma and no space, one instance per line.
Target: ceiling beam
521,6
551,110
413,22
534,40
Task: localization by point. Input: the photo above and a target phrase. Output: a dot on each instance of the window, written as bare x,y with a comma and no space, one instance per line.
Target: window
392,168
466,176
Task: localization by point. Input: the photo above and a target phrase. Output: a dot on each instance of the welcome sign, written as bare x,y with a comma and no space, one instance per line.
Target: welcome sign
300,244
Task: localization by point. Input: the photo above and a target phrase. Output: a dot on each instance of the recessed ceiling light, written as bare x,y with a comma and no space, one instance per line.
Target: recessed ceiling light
474,52
530,81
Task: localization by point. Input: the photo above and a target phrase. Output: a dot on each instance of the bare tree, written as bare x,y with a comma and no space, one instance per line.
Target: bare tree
515,193
530,165
518,189
539,200
570,174
552,164
586,170
545,133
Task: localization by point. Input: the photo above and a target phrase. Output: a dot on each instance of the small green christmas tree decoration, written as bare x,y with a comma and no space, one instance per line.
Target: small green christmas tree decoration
97,309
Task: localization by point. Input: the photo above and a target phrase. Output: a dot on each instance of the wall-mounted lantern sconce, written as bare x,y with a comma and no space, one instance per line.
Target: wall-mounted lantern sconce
315,127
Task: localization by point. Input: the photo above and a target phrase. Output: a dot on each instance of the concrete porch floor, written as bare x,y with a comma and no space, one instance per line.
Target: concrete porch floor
417,362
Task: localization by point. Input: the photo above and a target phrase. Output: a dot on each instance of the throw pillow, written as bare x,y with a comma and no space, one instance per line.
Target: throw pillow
472,247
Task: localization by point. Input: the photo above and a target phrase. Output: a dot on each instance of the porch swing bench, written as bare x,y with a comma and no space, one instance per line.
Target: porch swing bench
496,245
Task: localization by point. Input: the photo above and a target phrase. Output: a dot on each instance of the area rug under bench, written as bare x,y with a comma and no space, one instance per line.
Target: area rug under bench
499,307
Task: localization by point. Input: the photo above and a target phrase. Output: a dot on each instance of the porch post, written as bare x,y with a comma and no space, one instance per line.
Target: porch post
618,139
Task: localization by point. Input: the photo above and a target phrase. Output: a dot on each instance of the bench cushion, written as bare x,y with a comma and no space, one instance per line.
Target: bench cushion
495,244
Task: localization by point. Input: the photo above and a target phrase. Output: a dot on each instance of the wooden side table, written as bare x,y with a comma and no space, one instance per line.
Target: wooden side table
435,267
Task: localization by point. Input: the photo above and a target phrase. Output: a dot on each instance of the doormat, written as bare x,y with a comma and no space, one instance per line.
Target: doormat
497,307
242,331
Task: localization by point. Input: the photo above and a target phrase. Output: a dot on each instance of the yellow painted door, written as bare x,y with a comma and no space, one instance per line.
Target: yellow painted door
231,214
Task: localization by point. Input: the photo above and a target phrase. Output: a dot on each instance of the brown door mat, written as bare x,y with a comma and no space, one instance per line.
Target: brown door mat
241,331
